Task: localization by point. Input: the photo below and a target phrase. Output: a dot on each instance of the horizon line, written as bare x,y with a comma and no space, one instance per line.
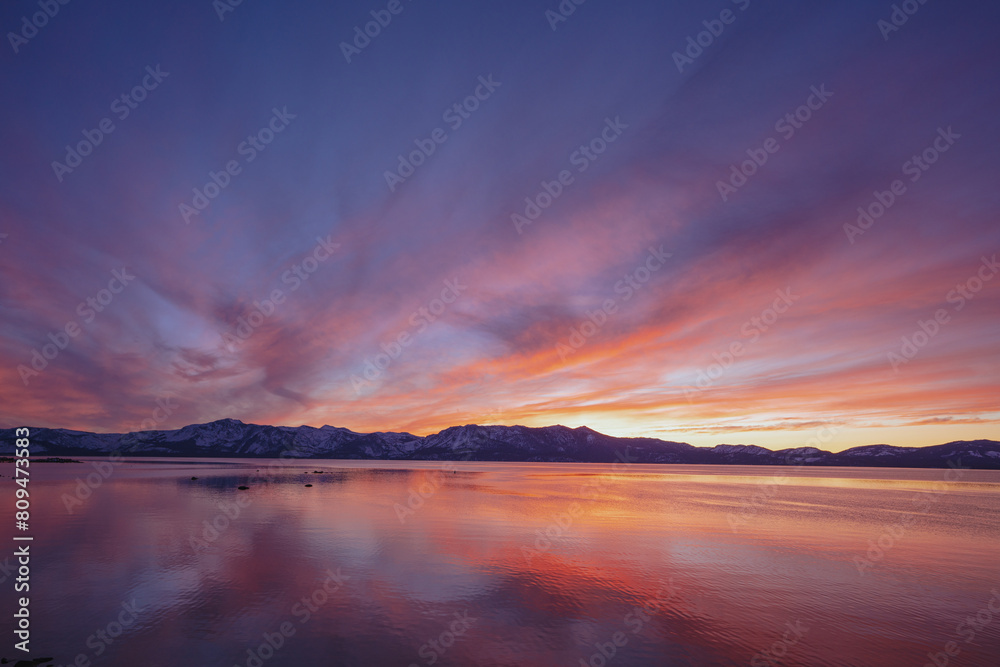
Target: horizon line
572,428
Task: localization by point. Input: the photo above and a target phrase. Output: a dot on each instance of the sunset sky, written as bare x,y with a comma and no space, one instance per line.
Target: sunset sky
650,261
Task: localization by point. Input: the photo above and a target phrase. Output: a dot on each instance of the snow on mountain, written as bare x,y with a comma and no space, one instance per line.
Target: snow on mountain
231,437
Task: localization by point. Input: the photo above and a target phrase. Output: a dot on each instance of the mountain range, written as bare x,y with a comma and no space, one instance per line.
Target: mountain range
233,438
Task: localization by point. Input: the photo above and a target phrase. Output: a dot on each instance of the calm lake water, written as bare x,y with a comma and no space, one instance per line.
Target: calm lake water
508,564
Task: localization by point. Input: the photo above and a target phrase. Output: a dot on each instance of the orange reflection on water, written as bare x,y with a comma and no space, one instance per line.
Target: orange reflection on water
551,561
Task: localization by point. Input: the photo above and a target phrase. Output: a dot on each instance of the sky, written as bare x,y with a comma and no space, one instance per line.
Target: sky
734,221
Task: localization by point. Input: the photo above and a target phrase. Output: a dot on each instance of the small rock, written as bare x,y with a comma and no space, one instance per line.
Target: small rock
308,484
242,488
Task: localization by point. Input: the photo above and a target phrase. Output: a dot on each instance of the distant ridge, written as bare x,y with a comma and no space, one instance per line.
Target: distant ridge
231,437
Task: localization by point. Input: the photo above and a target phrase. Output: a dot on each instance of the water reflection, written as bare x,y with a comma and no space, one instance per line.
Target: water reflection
509,564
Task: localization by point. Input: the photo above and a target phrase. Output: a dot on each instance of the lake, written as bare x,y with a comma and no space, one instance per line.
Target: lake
412,564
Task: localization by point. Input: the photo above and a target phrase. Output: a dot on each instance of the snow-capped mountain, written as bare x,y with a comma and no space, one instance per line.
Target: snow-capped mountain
231,437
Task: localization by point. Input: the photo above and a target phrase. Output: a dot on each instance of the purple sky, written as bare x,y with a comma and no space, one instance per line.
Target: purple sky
658,292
